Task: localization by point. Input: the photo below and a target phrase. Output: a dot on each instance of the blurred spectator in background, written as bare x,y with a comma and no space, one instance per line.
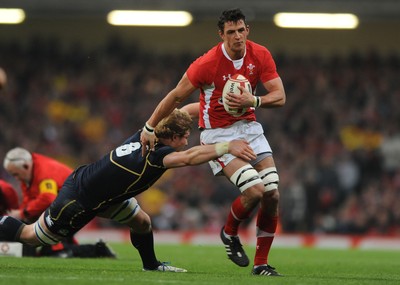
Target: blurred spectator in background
8,198
40,179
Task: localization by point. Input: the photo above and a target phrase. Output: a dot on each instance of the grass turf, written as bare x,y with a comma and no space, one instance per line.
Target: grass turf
208,265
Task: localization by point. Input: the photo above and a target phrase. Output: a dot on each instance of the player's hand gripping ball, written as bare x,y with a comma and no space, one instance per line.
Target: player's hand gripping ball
231,86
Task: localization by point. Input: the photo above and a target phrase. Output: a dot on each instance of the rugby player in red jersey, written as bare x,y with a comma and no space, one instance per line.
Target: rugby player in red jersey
257,180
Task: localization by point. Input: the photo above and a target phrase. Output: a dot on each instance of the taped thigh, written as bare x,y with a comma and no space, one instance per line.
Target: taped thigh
245,177
122,212
270,178
43,234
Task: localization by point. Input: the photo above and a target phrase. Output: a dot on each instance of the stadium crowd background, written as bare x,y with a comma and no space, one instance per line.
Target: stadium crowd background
336,142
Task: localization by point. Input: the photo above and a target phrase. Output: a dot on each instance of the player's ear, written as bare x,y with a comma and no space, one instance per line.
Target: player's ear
221,34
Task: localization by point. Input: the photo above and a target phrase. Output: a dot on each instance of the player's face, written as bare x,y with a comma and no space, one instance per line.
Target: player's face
234,37
180,142
20,173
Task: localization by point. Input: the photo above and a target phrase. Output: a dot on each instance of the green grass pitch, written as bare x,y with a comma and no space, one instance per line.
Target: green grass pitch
208,265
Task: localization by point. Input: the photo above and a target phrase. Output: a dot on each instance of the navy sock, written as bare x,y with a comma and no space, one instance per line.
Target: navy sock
144,243
10,228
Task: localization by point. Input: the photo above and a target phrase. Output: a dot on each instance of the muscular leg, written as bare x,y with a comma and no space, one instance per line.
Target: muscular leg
243,205
12,229
142,239
267,216
129,213
246,178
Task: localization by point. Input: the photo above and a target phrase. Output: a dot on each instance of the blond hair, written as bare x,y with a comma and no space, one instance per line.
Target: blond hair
177,123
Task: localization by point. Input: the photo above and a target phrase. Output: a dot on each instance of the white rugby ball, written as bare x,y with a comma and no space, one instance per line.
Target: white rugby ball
231,86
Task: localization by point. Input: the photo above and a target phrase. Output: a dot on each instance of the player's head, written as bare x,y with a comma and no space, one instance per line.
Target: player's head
233,30
232,15
18,162
174,129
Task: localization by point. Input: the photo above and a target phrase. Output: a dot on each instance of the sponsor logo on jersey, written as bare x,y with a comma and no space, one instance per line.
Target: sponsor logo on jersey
49,222
226,77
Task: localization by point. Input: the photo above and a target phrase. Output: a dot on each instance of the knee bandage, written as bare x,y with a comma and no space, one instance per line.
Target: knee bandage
245,177
43,235
270,178
124,212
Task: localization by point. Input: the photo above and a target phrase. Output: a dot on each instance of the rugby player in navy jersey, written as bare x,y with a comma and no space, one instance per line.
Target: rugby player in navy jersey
106,188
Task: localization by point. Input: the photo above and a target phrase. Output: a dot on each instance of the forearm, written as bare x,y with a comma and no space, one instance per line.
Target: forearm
275,97
271,100
192,109
195,155
201,154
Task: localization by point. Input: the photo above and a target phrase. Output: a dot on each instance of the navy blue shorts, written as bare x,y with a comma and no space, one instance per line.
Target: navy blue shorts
66,215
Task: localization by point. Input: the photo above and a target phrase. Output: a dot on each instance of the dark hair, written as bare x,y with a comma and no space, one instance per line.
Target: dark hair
231,15
177,123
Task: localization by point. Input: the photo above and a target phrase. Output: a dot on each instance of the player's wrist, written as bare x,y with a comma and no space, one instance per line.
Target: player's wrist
222,148
257,101
149,129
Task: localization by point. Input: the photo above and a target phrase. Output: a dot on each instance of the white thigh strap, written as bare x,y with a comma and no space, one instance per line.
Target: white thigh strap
43,235
245,177
122,212
270,178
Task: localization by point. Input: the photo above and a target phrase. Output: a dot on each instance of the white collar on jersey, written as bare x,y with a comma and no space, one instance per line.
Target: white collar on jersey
237,63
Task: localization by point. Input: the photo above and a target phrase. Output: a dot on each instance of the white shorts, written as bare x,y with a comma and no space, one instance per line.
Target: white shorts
245,130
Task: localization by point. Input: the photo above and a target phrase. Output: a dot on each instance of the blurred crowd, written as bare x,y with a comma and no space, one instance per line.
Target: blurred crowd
336,141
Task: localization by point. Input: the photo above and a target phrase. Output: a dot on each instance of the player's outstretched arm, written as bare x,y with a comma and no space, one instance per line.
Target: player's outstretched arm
192,109
203,153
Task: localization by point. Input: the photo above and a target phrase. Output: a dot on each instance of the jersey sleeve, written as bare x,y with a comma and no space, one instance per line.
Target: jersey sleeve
32,209
201,71
268,71
195,75
156,158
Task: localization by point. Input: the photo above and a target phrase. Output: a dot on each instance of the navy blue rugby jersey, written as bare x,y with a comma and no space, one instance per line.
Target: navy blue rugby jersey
121,174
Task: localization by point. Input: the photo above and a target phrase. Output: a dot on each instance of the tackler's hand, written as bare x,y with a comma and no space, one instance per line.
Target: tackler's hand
147,139
241,149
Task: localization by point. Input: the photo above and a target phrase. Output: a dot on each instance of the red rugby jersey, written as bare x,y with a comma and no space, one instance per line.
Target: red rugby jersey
210,72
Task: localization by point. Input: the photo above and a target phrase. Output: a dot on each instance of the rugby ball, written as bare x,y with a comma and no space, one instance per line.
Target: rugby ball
231,86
